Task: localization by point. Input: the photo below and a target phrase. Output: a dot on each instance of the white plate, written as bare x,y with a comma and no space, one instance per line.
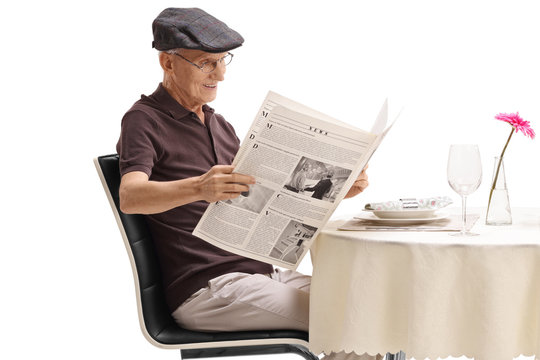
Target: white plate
404,214
401,221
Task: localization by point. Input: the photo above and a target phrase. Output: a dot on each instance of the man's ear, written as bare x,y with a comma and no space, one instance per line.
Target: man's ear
165,61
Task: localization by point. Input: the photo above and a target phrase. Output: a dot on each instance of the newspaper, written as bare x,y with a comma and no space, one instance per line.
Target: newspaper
304,163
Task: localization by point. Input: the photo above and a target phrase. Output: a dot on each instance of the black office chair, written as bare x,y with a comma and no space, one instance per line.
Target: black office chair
157,325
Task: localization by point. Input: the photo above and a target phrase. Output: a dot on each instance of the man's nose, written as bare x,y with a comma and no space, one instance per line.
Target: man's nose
219,73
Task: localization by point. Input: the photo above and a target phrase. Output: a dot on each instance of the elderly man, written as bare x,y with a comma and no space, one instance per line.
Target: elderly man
175,155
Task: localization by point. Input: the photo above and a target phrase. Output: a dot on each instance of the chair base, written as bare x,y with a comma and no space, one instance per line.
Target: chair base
249,350
263,350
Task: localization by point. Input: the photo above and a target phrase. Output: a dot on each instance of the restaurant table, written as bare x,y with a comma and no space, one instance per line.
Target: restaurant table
427,293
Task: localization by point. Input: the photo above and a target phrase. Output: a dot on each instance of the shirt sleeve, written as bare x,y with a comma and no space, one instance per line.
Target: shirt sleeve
138,146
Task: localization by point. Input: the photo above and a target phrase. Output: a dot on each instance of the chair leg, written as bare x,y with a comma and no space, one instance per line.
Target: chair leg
398,356
249,350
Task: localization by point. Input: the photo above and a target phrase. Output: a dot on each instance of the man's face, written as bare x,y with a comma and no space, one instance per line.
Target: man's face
194,85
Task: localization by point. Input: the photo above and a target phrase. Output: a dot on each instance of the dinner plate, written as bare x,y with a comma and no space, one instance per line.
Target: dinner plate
404,214
401,221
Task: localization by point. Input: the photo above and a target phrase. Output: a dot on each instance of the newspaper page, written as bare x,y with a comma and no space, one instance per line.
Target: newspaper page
304,162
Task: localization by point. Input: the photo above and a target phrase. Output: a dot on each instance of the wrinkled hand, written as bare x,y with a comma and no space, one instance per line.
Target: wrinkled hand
220,183
359,185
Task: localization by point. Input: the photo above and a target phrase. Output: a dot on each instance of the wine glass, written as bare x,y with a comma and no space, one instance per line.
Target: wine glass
464,174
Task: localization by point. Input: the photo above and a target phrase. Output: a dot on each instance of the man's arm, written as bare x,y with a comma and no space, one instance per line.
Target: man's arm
139,195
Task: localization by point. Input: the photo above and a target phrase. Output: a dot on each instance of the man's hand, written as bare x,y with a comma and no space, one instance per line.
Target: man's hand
220,183
359,185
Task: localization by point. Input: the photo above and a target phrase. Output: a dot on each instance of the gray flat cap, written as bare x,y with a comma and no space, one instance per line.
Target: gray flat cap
192,28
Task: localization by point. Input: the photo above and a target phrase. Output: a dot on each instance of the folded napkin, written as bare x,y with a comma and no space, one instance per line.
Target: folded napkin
411,203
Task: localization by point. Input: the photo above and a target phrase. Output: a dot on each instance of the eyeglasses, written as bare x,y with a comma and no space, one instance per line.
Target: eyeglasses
209,66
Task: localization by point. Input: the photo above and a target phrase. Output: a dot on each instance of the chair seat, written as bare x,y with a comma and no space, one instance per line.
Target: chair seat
174,334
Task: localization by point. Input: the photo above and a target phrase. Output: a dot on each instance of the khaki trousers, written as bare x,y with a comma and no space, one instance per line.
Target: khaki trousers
240,301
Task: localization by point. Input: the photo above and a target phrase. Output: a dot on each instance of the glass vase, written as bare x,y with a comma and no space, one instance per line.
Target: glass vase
498,212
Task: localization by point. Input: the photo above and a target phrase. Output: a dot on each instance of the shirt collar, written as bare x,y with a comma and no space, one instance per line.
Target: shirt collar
177,111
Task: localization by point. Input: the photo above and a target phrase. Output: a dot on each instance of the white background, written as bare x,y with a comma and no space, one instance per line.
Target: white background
71,69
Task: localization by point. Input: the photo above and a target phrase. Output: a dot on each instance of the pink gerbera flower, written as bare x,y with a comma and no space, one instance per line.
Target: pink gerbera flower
517,122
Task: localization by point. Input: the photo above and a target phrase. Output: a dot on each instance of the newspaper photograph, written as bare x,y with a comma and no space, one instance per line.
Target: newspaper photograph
304,163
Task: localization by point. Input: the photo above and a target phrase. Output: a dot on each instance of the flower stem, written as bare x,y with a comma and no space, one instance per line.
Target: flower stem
498,168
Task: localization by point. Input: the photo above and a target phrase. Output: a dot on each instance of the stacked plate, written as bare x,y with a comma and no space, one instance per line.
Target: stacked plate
405,216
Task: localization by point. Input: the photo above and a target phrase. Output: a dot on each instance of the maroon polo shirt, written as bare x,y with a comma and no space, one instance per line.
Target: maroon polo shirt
168,142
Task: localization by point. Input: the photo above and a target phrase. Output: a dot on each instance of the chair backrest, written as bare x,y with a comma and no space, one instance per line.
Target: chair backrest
157,324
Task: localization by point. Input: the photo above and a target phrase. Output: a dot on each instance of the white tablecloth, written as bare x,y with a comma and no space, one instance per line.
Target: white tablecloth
427,293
